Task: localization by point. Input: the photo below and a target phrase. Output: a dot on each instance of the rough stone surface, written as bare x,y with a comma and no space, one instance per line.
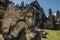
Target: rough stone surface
1,37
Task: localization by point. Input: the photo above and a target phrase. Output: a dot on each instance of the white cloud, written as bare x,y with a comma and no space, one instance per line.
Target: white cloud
54,14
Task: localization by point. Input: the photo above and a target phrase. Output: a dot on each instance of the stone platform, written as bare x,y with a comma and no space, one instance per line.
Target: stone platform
1,37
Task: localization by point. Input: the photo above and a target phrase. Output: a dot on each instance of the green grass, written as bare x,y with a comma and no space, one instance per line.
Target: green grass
27,31
52,35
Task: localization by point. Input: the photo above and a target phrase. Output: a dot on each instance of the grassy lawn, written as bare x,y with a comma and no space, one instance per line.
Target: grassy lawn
52,35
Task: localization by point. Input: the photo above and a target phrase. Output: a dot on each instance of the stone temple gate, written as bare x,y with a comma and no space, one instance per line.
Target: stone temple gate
20,13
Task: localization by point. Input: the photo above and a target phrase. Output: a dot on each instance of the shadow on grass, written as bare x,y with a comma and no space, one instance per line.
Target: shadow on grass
44,34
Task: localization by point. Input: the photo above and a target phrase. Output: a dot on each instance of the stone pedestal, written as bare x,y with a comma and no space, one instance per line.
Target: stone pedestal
1,37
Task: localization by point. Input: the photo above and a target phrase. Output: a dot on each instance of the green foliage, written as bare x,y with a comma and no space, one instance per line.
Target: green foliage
27,30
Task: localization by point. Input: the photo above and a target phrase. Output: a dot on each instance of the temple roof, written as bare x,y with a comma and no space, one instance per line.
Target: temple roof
35,4
3,1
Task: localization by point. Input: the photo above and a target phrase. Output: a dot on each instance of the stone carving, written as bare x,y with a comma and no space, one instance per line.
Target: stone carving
15,19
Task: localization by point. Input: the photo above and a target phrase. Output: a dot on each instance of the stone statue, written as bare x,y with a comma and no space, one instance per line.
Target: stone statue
16,20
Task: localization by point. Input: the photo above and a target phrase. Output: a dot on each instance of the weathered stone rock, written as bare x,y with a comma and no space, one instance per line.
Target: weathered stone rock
1,37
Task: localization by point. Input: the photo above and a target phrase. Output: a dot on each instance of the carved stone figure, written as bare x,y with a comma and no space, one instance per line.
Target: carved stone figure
15,21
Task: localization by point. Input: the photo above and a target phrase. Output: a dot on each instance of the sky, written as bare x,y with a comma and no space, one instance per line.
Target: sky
45,4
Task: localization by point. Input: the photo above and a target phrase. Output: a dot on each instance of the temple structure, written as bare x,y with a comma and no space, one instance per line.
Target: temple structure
3,7
16,11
